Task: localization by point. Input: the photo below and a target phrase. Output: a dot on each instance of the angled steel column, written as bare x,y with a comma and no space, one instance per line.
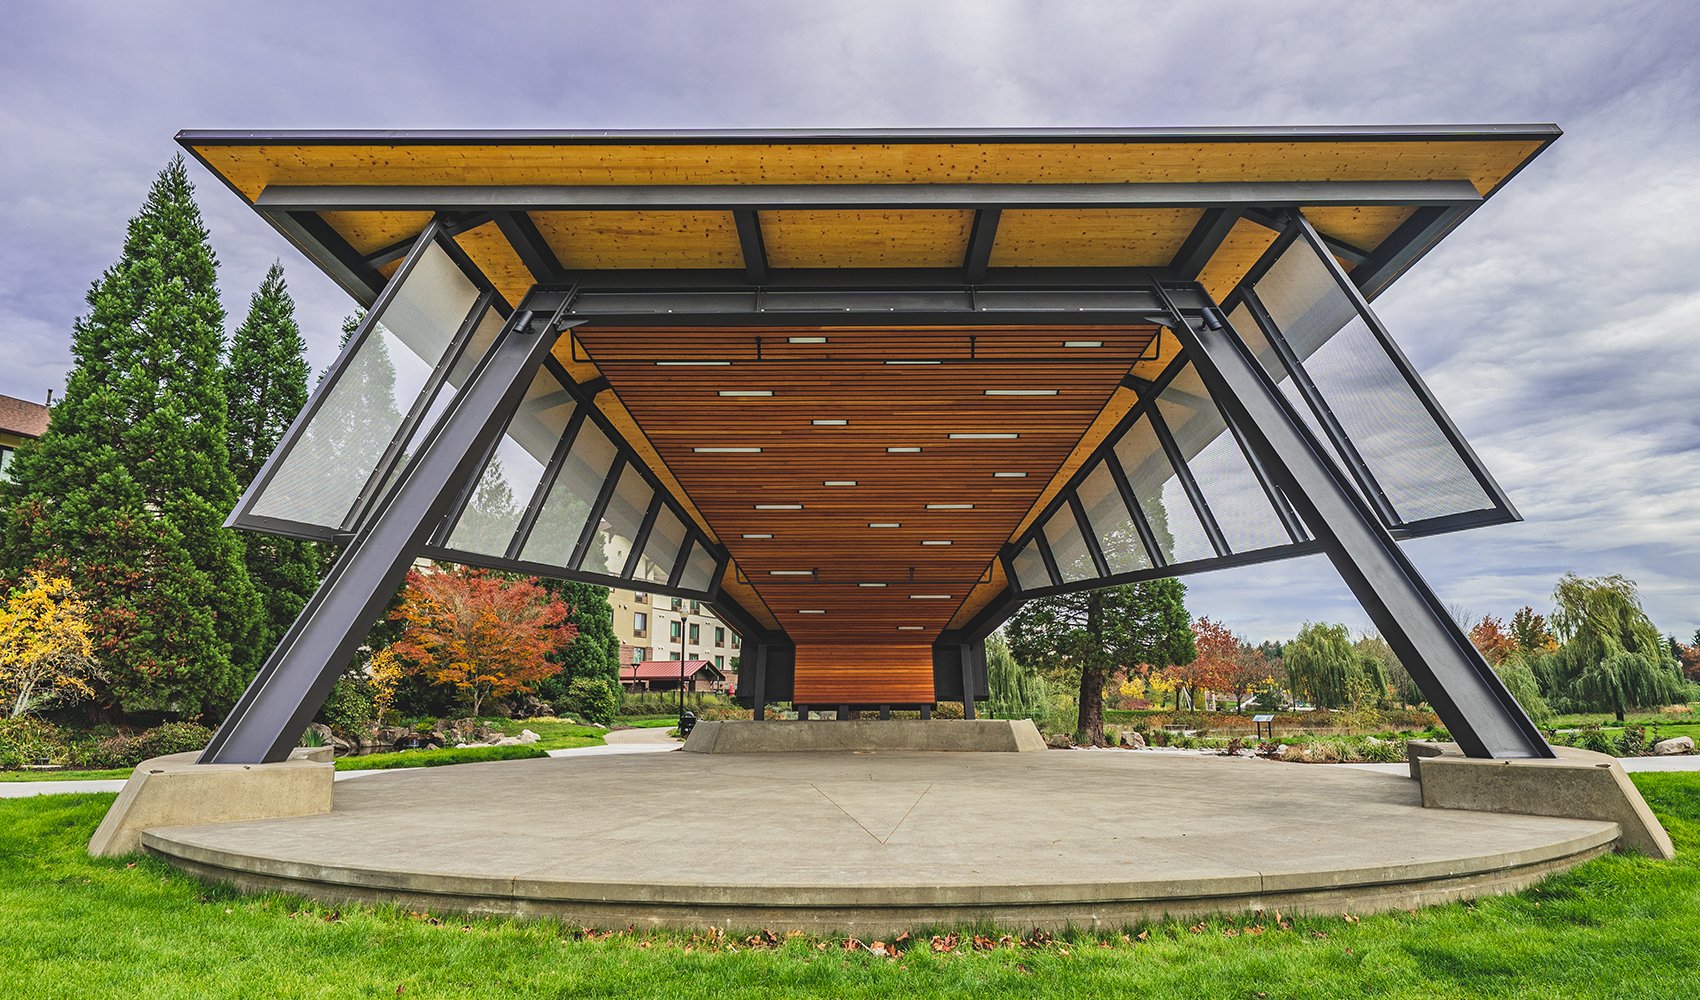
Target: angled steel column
1469,698
297,677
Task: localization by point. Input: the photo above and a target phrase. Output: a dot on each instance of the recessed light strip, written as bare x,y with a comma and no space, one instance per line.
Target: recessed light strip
727,451
1021,392
950,506
830,423
838,482
903,450
745,393
929,597
758,536
985,436
1009,475
693,364
779,506
1083,343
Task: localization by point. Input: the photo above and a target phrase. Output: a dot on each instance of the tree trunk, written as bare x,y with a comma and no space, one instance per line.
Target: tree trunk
1090,729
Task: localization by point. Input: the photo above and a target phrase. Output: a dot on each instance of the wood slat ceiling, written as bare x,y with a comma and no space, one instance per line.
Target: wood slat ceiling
679,409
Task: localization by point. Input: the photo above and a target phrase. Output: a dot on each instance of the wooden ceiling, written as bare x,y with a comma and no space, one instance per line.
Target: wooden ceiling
826,572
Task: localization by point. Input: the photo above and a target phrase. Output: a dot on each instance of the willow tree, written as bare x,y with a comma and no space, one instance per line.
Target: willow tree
1012,691
1092,633
1611,658
1321,664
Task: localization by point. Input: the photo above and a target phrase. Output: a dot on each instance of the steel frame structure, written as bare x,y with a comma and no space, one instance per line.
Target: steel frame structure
1338,511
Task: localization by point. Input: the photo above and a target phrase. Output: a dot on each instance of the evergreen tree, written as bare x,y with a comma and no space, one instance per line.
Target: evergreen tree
266,384
1092,633
127,491
589,682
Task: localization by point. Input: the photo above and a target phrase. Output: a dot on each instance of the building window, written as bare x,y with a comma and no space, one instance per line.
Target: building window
696,632
696,608
640,598
677,603
640,623
737,640
675,655
5,460
672,630
719,636
720,661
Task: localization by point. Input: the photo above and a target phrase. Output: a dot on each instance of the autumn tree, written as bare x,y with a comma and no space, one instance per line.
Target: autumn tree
126,493
484,634
1213,669
1493,640
1091,634
46,653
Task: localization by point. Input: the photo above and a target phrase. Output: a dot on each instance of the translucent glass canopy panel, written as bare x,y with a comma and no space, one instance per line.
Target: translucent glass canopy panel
396,376
1354,385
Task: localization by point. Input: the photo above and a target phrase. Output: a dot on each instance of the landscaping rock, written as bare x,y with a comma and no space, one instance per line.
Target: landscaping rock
1674,745
1133,739
527,736
1059,741
329,738
508,741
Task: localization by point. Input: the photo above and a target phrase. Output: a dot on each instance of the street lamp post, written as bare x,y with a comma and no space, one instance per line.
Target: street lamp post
684,625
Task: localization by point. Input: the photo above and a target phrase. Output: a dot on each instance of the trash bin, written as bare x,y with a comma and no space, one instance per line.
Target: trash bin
687,722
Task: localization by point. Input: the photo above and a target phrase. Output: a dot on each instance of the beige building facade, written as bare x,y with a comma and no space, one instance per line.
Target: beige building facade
650,627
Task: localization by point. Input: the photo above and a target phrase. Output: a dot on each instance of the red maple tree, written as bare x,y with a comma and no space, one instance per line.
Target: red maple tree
486,634
1491,638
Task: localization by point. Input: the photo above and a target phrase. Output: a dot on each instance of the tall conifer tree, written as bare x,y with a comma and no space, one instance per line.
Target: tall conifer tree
266,384
127,491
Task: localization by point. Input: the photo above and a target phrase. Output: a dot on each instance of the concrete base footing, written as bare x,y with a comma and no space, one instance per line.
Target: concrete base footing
175,791
1578,784
867,735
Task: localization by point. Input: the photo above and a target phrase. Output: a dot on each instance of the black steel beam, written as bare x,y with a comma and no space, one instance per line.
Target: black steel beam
534,251
1204,240
1471,701
325,247
1404,246
754,248
295,680
688,197
978,259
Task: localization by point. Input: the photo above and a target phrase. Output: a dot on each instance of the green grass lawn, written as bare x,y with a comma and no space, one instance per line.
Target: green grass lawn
553,733
117,772
72,926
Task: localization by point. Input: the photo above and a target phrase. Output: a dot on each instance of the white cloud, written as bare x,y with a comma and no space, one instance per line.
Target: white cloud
1557,325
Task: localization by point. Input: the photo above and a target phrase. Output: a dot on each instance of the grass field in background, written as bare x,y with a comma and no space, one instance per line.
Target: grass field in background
70,925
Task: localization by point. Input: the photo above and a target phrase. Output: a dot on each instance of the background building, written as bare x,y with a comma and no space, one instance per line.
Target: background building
20,420
649,627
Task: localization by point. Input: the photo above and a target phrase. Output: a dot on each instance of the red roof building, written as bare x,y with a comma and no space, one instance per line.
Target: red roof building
664,675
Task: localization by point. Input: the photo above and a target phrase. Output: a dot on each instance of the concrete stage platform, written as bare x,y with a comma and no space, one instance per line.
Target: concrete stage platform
871,843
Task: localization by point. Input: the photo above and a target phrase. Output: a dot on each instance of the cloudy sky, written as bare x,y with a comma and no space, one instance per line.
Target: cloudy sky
1559,325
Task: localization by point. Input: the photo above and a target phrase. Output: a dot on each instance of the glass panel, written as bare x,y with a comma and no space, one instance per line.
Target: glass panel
1252,333
1030,568
1235,497
1174,524
510,477
661,552
699,569
334,456
1118,539
612,542
1419,470
1068,546
571,497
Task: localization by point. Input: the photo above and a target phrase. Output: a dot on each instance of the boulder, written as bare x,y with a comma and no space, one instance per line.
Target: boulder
1133,739
527,736
508,741
1674,745
1059,741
